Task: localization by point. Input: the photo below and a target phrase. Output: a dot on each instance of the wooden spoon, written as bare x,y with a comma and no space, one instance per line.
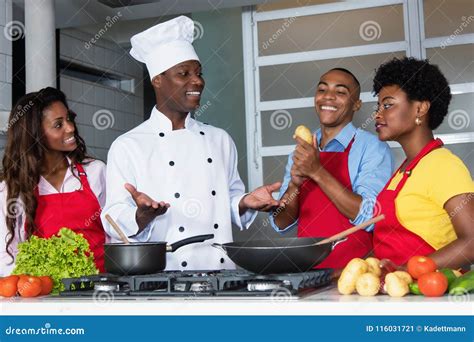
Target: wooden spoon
119,231
351,230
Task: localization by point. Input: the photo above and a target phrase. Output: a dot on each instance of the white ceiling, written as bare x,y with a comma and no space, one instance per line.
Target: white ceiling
74,13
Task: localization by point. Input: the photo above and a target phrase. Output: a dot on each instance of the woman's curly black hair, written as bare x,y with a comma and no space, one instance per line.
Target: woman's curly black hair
421,81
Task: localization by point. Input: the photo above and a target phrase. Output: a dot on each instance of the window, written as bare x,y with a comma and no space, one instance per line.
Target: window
288,46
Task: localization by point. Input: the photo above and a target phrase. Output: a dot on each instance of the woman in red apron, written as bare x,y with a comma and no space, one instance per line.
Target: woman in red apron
45,166
429,202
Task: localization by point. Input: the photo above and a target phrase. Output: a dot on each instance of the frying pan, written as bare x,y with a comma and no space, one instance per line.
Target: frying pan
289,255
142,257
130,258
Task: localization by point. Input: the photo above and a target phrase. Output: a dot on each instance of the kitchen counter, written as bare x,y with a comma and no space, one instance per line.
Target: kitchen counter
323,301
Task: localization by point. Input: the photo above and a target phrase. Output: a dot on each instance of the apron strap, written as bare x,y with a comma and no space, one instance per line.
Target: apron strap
82,176
80,170
432,145
348,148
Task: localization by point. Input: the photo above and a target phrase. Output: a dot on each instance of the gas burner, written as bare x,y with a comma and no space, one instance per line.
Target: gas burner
200,274
198,286
264,285
180,287
106,286
201,286
197,283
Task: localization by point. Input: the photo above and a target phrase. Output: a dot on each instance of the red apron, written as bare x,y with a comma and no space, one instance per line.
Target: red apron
319,217
78,210
391,239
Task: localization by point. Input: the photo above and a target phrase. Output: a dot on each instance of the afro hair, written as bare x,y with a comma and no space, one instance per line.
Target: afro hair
421,81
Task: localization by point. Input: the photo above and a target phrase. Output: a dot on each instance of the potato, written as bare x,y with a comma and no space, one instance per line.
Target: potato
304,133
357,264
405,276
374,266
395,286
347,281
368,284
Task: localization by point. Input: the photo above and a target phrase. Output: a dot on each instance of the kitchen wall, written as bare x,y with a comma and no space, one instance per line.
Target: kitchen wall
5,67
104,112
218,42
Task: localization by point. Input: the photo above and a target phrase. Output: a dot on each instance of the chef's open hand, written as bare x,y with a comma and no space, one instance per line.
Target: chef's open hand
306,160
147,208
260,199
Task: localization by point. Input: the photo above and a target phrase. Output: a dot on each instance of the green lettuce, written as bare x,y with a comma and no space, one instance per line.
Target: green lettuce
64,255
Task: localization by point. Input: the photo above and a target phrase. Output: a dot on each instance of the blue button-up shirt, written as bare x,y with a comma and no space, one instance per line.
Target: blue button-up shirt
371,165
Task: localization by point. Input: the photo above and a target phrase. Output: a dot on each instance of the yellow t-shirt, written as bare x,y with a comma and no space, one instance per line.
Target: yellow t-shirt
439,176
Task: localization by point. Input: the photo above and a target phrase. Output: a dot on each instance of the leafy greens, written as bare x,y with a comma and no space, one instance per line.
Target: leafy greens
64,255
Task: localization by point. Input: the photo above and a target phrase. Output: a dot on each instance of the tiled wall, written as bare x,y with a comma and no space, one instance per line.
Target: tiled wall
108,104
5,66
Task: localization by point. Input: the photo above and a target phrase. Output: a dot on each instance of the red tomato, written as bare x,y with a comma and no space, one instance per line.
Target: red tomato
433,284
419,265
47,285
8,286
29,286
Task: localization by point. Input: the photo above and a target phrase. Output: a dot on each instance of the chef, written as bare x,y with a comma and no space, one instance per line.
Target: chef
173,177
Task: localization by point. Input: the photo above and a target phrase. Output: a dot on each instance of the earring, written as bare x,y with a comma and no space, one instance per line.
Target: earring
418,121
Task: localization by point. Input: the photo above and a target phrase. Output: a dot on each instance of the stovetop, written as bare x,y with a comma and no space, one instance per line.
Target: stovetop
198,283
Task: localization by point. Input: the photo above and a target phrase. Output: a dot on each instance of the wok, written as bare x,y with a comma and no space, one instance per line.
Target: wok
291,255
142,257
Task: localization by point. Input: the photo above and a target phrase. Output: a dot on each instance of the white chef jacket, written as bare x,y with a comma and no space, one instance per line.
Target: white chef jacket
194,170
95,171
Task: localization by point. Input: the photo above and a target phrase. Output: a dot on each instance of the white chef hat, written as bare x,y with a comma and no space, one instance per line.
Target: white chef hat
164,45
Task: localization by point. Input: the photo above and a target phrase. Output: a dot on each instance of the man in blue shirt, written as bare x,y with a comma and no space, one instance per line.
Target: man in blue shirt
333,183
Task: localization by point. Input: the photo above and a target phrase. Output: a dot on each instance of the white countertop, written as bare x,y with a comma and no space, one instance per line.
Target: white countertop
324,301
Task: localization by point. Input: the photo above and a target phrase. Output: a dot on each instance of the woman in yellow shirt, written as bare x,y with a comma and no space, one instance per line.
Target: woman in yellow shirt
429,202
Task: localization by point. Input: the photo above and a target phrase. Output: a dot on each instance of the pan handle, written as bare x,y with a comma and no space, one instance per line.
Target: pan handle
219,246
337,242
193,239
